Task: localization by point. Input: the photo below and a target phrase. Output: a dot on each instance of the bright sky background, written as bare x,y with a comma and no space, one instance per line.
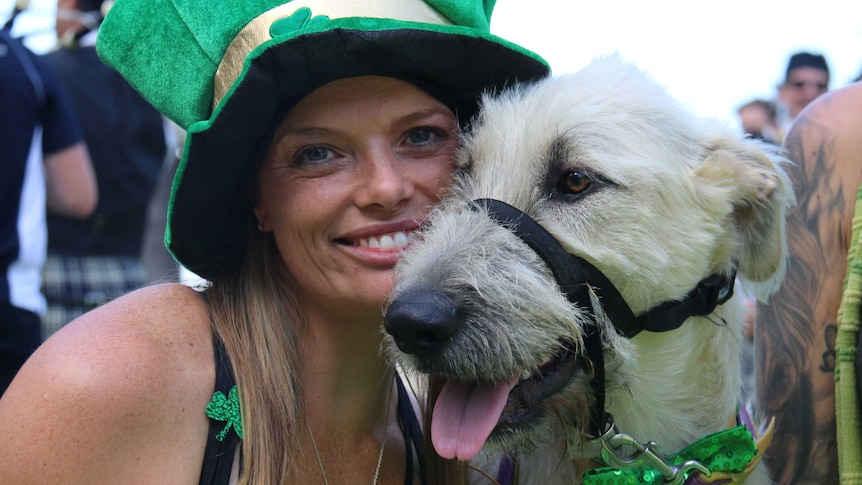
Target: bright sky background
713,56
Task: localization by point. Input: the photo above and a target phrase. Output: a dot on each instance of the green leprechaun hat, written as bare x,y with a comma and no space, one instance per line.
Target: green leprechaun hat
220,69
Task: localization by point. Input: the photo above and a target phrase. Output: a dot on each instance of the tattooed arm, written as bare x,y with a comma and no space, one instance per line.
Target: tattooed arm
795,332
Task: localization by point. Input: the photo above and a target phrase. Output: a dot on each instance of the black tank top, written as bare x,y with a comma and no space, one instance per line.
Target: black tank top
219,454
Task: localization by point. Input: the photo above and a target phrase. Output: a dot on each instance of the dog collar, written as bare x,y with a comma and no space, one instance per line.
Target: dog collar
576,277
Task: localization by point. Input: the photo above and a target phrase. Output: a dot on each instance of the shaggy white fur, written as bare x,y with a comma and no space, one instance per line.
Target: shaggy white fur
655,198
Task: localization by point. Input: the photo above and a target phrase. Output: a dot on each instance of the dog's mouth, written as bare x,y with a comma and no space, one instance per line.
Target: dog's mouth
467,413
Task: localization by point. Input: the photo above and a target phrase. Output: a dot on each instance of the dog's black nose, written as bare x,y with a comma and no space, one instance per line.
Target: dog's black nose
421,322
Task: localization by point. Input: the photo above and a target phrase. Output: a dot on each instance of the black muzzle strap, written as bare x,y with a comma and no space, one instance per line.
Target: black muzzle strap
575,276
572,274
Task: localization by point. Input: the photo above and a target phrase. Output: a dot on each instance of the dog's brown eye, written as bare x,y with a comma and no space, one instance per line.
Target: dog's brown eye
575,182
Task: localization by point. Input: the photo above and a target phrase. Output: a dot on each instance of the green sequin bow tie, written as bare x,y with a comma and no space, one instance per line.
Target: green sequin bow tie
226,408
726,454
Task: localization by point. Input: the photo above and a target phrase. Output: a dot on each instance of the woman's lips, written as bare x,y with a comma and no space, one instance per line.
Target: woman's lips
382,249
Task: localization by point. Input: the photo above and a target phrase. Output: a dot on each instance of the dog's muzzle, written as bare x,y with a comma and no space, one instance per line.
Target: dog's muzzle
422,324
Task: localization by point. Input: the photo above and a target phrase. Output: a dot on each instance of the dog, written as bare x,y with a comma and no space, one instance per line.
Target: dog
574,290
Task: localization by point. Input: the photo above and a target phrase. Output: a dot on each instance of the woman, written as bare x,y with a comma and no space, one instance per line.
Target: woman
318,140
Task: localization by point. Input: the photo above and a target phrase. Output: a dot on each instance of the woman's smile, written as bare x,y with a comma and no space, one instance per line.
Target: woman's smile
396,240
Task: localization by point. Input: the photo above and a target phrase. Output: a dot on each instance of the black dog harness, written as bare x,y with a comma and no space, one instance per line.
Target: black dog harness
576,277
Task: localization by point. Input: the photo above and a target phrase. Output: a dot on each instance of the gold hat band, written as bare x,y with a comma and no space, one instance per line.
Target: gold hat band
256,32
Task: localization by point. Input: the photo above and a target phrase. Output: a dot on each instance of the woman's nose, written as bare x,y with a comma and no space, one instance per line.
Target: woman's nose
385,182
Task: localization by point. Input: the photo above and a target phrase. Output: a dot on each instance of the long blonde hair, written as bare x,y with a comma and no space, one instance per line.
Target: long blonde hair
256,314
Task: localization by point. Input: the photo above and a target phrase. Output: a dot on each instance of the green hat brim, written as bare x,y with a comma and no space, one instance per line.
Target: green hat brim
209,213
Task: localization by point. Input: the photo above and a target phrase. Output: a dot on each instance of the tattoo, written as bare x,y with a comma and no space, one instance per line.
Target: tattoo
787,354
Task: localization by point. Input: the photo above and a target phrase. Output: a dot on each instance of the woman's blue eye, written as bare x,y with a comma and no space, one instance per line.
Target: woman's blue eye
421,135
314,154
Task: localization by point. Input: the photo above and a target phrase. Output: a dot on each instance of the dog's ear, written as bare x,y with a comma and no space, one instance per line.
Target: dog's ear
757,193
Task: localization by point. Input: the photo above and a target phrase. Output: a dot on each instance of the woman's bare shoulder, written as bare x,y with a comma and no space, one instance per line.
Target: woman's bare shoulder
143,337
168,321
171,307
113,382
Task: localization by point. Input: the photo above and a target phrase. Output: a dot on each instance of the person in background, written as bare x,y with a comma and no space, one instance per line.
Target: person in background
43,162
319,136
806,78
795,333
758,118
94,260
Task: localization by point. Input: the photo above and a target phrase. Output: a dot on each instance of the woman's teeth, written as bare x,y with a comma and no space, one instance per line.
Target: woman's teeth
395,240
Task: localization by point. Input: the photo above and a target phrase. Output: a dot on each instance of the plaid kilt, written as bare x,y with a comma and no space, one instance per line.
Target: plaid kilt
74,285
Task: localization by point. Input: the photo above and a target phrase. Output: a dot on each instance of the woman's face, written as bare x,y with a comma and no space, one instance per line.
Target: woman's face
352,170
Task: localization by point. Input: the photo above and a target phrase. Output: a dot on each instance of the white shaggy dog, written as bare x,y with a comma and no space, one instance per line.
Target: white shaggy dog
619,347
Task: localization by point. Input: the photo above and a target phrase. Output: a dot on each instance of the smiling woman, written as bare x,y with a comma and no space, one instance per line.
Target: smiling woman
320,135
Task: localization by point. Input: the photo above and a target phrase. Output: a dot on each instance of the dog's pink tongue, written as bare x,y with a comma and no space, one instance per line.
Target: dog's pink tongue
464,416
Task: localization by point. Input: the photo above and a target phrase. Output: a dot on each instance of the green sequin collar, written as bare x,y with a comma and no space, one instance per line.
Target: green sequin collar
726,457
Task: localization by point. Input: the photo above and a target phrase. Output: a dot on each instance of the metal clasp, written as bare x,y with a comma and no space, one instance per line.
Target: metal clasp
642,454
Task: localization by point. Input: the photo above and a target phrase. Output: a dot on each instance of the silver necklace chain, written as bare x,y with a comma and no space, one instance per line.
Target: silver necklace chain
379,455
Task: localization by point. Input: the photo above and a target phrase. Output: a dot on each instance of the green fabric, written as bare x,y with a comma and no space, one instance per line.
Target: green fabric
849,425
728,451
170,49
